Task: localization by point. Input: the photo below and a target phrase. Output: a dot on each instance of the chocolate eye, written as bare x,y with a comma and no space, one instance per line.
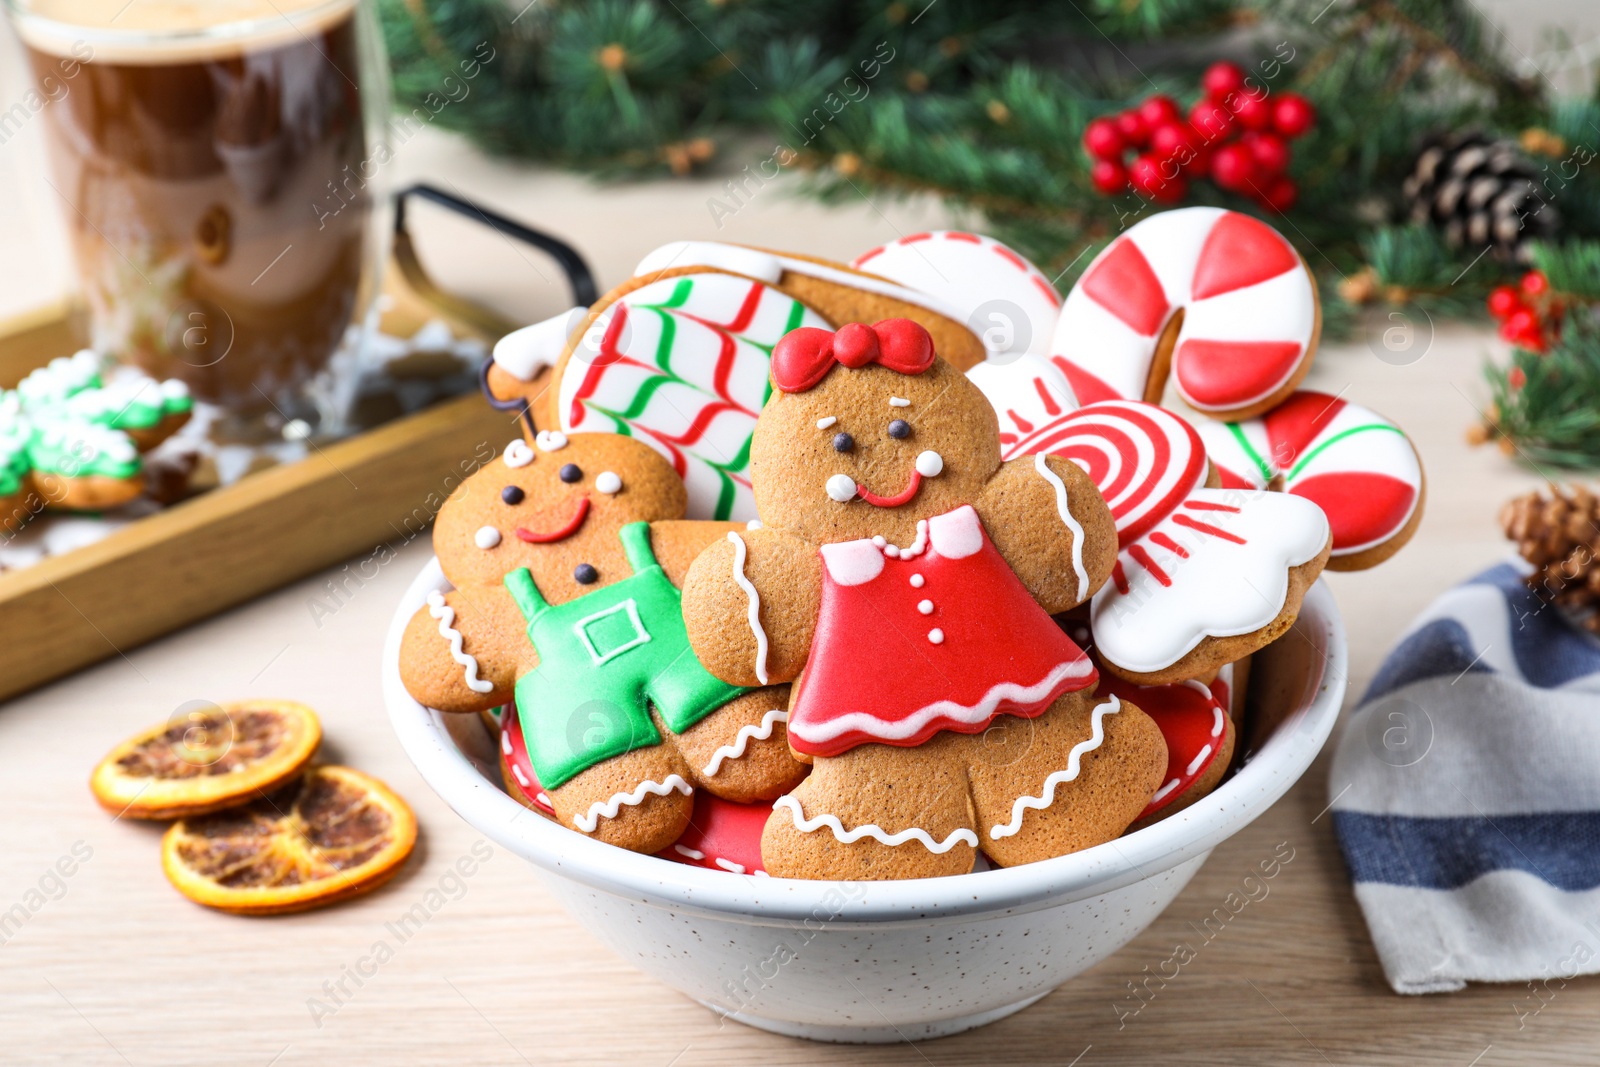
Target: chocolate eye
511,495
899,429
843,442
570,472
585,574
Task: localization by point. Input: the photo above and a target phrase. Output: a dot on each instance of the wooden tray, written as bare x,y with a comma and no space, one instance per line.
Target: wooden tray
223,547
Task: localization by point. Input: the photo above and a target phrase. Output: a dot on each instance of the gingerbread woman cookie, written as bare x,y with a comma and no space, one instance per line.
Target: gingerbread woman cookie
906,578
565,557
678,355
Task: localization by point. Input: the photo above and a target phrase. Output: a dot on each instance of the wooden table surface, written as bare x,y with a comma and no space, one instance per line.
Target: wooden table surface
112,966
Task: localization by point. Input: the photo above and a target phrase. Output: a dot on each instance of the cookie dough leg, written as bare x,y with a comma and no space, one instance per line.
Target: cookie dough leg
838,822
1046,803
741,751
640,801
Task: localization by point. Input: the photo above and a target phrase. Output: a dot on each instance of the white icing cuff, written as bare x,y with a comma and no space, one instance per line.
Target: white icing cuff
591,819
874,831
1047,794
747,733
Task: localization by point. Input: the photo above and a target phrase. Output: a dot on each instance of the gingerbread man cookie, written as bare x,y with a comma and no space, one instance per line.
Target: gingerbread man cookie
565,558
906,578
678,355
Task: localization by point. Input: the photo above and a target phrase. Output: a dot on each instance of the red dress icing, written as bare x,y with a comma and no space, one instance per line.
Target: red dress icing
939,635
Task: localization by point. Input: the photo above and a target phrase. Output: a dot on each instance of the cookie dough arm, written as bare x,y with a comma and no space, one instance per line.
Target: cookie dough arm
765,573
676,543
1052,526
462,651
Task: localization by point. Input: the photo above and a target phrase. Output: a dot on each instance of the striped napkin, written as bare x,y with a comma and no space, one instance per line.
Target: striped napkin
1466,794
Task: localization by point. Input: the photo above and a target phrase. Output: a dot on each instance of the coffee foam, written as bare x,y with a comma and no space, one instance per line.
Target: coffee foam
161,32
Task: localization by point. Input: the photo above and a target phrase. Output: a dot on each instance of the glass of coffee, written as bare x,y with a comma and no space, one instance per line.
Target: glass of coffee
216,163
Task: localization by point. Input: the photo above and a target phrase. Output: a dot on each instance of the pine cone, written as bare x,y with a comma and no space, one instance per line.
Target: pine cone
1479,192
1559,534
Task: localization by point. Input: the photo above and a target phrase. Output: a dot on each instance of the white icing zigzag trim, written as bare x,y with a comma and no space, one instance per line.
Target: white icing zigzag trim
742,740
874,831
1048,791
982,711
447,617
754,597
1043,467
609,809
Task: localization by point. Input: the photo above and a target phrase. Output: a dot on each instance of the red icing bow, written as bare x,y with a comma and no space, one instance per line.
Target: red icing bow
805,356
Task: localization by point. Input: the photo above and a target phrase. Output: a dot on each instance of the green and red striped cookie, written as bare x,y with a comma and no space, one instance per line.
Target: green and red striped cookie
1353,463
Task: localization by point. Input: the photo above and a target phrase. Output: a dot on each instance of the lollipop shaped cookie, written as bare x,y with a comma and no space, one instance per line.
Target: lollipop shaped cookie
1205,575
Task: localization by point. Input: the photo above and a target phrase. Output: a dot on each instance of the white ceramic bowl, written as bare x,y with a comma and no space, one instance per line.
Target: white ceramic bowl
885,961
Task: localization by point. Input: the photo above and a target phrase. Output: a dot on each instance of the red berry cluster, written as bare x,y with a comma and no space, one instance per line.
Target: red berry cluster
1235,135
1529,314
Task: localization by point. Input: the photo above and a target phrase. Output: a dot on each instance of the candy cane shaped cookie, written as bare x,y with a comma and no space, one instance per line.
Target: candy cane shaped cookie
1218,299
1004,299
1204,576
1353,463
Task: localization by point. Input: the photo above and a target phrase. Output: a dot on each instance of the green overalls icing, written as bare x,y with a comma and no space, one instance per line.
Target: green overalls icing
603,659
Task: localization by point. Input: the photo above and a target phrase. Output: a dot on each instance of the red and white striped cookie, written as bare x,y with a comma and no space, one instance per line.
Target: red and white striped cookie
1199,732
1219,300
516,769
1353,463
1004,299
1205,576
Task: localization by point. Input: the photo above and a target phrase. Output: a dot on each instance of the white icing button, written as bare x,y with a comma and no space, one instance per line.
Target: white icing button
550,440
841,487
753,524
823,424
608,482
929,464
925,606
936,636
518,454
486,537
917,580
899,402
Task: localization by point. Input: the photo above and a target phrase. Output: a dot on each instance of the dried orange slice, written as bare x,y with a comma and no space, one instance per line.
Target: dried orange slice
207,757
333,834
